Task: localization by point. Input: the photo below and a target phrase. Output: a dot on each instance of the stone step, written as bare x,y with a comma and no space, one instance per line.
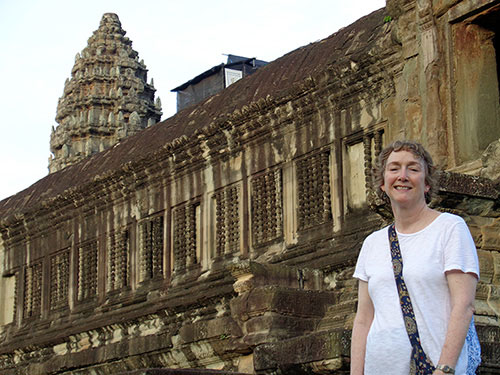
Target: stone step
323,352
169,371
338,315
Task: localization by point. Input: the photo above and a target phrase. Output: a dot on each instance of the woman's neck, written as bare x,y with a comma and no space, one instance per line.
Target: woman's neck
414,219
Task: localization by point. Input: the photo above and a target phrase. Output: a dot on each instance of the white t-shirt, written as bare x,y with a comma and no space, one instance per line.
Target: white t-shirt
445,244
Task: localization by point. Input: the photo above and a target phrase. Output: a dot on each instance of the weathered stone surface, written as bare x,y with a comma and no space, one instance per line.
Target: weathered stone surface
327,349
180,372
226,236
107,98
491,161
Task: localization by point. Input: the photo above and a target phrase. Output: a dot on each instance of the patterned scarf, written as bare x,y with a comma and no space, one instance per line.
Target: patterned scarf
420,364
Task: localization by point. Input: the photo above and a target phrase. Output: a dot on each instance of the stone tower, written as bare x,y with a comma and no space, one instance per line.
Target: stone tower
106,99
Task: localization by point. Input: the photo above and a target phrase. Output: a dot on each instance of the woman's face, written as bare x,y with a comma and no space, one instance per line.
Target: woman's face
404,179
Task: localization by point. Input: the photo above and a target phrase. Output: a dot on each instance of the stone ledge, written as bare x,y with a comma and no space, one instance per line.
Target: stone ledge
158,371
328,349
476,186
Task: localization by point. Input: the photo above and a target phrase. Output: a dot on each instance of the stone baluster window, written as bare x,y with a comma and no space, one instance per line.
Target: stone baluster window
185,241
59,280
313,185
32,291
267,210
118,260
227,227
87,271
151,249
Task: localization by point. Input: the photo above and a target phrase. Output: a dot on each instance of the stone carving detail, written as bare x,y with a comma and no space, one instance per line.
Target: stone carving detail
32,291
106,99
267,211
313,180
372,143
59,280
151,250
367,147
378,142
87,271
185,236
227,226
16,296
118,260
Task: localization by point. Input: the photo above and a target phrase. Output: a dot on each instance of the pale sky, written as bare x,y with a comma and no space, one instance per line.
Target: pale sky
177,39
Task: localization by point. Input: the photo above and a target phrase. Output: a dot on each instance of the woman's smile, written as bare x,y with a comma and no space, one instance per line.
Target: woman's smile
404,178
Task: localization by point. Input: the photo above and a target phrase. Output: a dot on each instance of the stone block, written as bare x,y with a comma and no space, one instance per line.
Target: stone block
494,299
166,371
496,266
223,327
328,347
481,303
294,302
250,274
441,6
486,266
491,237
273,327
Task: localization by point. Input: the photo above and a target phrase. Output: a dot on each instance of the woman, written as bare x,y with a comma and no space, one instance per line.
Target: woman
440,269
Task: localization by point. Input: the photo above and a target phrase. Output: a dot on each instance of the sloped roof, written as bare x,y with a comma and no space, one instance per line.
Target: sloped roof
274,79
232,60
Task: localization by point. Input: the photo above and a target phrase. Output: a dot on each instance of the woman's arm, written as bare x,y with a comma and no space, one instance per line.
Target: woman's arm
362,323
462,291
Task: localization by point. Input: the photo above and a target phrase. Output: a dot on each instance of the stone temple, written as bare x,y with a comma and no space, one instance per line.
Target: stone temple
106,99
223,239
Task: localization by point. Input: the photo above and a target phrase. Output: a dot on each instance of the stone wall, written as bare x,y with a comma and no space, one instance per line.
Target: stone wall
225,237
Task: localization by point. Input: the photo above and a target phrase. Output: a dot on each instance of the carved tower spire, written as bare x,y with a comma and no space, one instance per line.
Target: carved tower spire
106,99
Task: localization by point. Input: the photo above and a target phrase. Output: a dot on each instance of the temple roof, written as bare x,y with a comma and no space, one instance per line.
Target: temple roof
276,80
106,99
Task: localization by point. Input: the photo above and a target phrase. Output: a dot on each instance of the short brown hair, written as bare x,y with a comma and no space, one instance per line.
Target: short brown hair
416,149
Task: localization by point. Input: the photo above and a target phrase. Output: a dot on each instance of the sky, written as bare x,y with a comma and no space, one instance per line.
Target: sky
177,39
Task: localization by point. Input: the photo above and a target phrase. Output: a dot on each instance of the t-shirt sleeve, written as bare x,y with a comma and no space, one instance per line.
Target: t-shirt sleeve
360,270
460,251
